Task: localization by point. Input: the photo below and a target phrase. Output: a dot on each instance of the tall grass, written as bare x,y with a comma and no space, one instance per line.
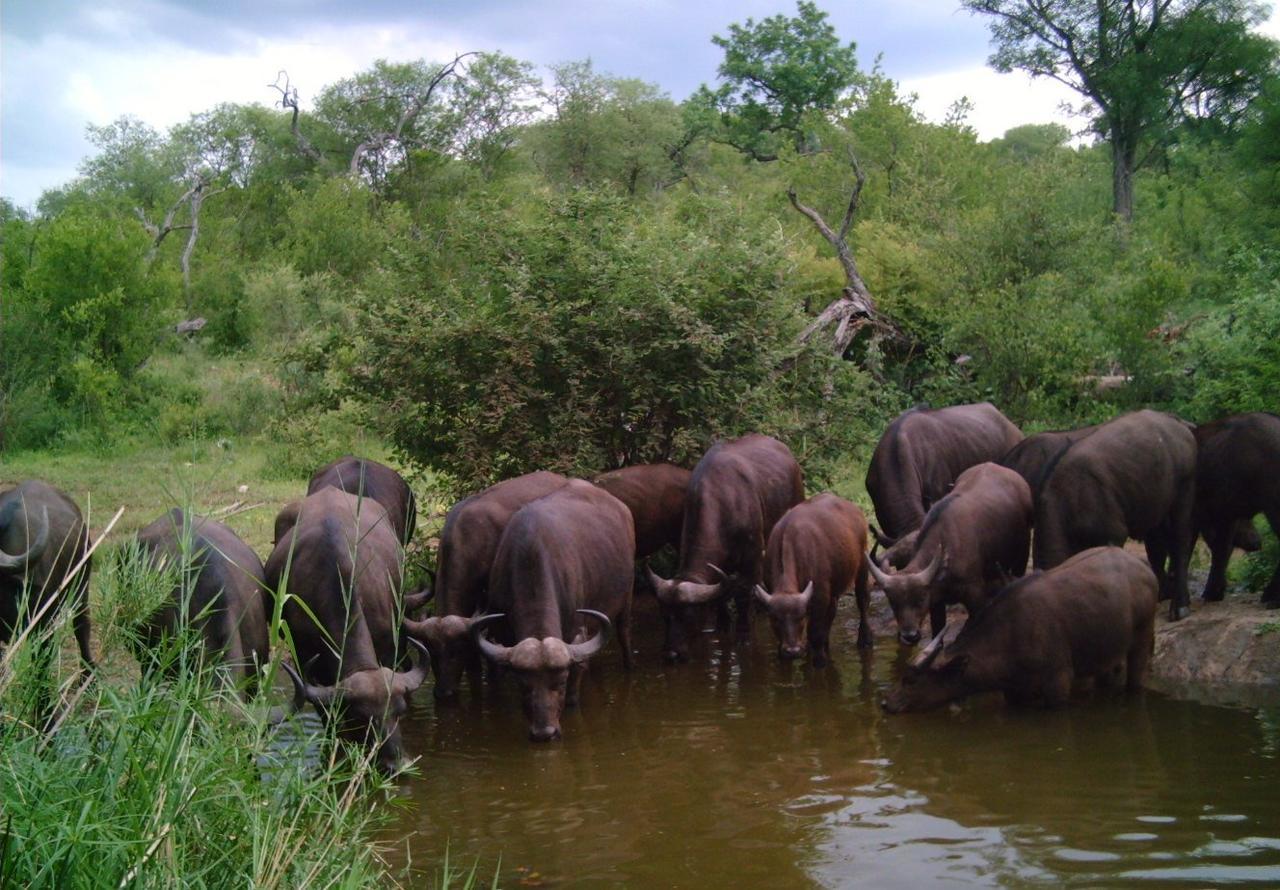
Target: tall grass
173,782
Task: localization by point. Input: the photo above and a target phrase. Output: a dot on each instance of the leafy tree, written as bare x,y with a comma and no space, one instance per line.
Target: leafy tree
774,73
1142,66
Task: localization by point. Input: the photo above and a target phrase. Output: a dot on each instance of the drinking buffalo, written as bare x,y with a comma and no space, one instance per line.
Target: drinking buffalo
738,491
563,558
1086,618
918,458
362,478
218,591
1237,477
970,543
654,493
1134,477
341,567
42,538
816,553
468,543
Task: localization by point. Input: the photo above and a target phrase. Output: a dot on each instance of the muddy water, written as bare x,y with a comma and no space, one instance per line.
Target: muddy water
737,771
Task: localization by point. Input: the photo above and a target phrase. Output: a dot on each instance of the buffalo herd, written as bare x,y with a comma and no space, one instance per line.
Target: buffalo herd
537,573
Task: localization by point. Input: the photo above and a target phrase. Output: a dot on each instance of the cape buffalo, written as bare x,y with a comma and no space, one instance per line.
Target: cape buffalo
738,491
468,543
1035,456
563,558
363,478
921,454
654,493
341,566
42,538
1237,477
1087,618
816,553
219,592
971,542
1133,477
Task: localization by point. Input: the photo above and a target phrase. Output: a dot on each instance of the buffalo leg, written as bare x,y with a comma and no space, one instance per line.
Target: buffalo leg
937,618
862,596
1057,689
742,600
1181,537
1157,555
1271,595
624,634
1219,539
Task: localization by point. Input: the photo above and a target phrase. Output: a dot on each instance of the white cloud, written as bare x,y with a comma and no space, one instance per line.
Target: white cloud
1001,101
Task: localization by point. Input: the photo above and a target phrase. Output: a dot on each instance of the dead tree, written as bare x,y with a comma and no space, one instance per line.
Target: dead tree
193,199
855,308
289,100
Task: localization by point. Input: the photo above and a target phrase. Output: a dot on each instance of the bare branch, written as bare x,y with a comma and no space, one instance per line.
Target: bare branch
289,100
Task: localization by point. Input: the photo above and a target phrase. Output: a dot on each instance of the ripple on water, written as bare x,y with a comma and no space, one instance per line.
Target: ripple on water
1224,817
1071,854
1158,820
1136,836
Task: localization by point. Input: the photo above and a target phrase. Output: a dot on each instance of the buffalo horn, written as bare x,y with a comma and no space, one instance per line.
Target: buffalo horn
660,585
763,596
580,652
879,574
691,594
20,562
302,690
724,576
415,601
495,652
930,652
935,565
407,681
807,593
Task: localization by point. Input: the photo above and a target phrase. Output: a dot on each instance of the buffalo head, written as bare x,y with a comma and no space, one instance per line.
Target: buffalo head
685,606
933,679
789,617
543,669
38,542
909,593
366,706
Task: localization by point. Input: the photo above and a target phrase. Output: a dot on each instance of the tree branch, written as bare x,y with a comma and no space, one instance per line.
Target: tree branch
289,100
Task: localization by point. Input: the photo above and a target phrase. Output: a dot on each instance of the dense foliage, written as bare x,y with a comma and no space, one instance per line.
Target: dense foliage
496,273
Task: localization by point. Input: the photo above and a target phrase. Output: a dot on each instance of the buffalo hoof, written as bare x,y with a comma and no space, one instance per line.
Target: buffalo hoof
1177,613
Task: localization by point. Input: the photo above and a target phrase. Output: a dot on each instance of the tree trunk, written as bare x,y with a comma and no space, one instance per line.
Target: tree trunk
1124,157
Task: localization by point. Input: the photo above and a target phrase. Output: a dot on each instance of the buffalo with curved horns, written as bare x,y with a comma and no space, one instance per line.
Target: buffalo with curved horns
1088,618
738,491
564,558
919,458
219,592
42,538
341,566
971,543
468,543
816,553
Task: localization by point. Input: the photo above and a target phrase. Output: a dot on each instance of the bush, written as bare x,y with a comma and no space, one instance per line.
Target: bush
600,335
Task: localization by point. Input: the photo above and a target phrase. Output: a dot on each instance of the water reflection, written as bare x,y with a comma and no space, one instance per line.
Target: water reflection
736,770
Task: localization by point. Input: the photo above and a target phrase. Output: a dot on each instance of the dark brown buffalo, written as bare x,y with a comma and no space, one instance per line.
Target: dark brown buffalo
42,538
1035,456
738,491
1134,477
468,543
362,478
1237,477
654,493
1088,618
341,566
563,558
219,593
816,554
971,543
920,456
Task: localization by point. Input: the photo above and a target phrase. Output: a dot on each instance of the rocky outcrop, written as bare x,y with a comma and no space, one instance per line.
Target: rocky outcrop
1223,652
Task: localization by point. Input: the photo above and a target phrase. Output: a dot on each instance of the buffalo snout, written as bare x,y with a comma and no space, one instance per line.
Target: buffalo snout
547,733
909,637
790,653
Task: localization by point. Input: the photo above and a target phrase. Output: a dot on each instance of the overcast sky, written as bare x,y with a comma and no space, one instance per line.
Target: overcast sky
67,63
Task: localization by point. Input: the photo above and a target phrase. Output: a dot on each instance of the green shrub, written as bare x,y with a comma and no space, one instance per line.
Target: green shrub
300,442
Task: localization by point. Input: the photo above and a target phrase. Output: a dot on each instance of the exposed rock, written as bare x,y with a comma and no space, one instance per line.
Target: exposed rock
1222,652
